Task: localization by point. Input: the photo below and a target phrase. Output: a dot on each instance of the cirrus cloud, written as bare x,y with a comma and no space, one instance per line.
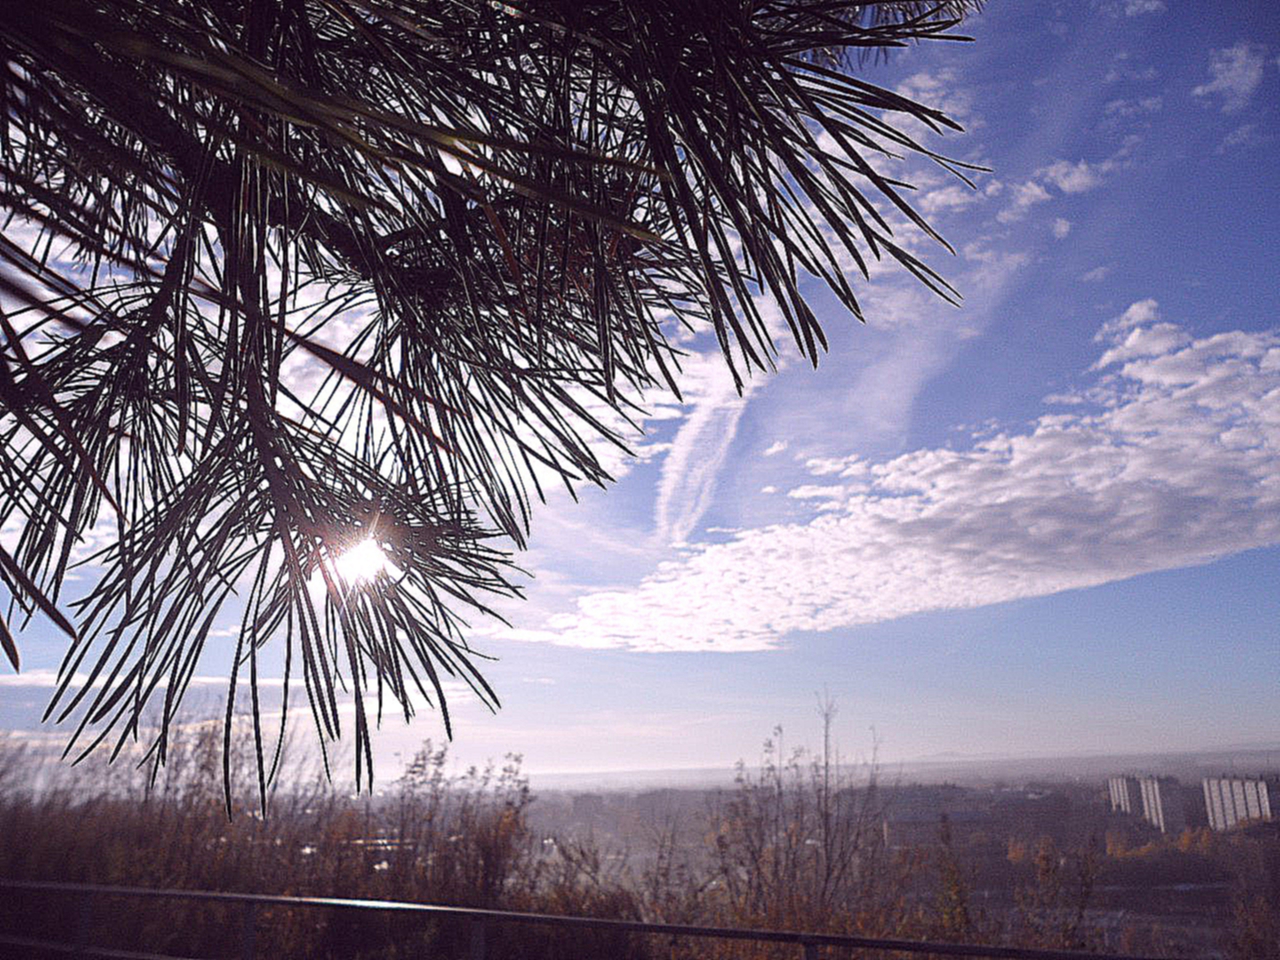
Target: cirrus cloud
1169,456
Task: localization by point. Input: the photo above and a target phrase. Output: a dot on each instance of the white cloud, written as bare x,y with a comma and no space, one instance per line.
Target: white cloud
1061,228
1132,8
35,678
811,491
1024,197
1171,459
1072,177
1097,274
775,448
1236,72
1152,341
1066,177
700,446
825,466
953,197
41,677
1245,135
942,91
1137,313
1123,69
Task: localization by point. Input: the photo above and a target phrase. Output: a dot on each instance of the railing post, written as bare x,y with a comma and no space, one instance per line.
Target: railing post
248,930
479,929
810,951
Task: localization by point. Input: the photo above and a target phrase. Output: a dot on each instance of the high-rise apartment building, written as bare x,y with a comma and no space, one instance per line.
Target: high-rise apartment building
1162,804
1158,800
1232,800
1126,797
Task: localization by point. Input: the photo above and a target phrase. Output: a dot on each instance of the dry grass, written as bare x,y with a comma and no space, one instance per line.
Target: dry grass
796,846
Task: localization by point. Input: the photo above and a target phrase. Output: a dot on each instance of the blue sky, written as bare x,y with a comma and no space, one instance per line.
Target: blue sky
1047,521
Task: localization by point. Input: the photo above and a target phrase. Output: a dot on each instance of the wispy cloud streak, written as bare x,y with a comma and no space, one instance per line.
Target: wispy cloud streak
1169,455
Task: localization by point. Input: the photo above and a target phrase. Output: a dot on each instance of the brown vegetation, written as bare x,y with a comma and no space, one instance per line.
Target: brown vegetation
798,845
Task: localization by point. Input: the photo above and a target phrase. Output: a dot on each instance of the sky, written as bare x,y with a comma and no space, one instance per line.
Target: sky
1046,521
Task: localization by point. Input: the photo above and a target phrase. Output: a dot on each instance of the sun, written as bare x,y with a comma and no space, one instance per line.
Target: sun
362,563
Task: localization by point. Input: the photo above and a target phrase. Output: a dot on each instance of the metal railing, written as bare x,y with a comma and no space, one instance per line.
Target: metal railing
482,920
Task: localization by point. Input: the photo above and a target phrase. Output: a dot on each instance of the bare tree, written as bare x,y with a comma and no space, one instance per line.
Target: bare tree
800,845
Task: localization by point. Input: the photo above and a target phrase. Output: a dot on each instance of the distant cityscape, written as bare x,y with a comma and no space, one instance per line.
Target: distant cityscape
1159,863
1173,856
1131,810
1221,803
